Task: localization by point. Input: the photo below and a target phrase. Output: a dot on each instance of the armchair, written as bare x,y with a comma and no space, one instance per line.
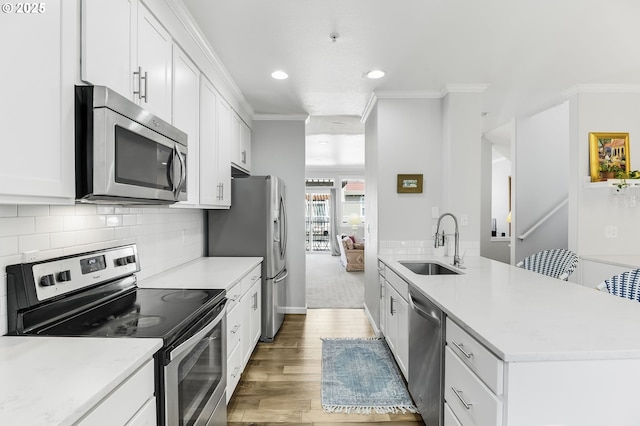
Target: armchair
351,254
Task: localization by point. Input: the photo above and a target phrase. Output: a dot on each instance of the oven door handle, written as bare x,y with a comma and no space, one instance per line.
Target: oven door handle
193,340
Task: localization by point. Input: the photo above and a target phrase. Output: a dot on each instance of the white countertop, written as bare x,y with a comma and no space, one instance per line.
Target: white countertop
57,380
627,261
524,316
204,272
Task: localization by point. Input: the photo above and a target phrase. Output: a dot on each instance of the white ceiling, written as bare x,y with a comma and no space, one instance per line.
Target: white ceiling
527,51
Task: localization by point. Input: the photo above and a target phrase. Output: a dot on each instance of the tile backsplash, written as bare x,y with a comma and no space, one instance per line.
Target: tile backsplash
165,236
415,249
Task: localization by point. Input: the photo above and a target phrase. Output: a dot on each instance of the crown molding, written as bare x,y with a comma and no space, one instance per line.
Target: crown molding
186,19
601,88
280,117
368,108
464,88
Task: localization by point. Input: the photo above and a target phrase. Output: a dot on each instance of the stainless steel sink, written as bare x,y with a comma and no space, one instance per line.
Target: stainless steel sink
429,268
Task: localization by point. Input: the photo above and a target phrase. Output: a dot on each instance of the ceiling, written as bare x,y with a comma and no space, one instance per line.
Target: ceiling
527,52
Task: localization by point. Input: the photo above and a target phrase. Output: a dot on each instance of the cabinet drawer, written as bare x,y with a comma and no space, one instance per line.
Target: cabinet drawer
471,401
146,416
250,279
234,369
398,283
234,328
478,358
233,295
125,401
450,419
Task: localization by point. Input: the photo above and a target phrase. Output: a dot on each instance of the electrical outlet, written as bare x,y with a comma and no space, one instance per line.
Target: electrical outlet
30,256
611,231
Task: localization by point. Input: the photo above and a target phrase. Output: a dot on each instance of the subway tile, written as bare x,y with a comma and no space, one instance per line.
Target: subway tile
17,226
129,219
85,209
96,221
8,210
62,210
8,246
105,234
47,224
75,223
114,220
62,239
9,260
33,242
121,232
29,210
105,210
87,236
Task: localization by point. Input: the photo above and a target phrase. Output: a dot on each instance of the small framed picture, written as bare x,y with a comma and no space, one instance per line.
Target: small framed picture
608,156
411,184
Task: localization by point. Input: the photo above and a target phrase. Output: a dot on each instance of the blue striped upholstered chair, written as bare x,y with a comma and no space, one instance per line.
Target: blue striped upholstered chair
626,285
556,263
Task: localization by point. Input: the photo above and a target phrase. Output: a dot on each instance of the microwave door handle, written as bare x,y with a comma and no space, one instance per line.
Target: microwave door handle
181,162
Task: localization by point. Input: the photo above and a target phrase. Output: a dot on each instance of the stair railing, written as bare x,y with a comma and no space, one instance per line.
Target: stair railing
543,220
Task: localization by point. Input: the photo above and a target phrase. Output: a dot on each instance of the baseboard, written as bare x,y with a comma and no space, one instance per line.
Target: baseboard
376,330
295,310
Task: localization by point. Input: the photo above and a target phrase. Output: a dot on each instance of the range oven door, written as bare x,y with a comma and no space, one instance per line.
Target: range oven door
195,378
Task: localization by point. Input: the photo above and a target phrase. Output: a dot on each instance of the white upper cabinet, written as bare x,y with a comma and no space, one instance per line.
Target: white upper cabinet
135,61
108,55
37,86
215,169
240,143
186,95
153,65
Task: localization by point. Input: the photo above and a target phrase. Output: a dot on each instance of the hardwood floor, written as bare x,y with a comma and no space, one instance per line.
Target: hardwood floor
281,384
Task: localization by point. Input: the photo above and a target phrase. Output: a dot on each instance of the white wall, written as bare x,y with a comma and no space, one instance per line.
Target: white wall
277,148
372,207
500,172
165,237
593,207
541,180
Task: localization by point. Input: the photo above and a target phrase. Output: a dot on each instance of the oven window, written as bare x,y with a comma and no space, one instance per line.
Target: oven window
199,374
141,161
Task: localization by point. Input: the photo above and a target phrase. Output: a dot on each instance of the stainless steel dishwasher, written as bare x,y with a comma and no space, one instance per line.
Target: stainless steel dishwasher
426,353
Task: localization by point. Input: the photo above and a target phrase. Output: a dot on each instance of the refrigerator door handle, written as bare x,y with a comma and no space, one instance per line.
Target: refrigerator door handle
277,280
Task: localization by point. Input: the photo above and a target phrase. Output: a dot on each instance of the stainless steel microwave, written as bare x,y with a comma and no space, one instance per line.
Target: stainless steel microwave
125,154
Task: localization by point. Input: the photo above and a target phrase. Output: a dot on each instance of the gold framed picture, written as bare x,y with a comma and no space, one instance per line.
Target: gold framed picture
608,155
411,184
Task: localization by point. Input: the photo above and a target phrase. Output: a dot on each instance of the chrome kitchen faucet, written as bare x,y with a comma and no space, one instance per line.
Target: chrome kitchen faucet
456,258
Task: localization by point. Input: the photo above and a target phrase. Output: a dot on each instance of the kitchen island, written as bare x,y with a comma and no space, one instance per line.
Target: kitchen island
566,354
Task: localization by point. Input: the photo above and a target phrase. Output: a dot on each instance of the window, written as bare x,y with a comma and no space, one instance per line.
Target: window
352,197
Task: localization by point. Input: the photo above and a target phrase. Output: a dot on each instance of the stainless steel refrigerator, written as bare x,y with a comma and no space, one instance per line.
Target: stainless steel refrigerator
256,225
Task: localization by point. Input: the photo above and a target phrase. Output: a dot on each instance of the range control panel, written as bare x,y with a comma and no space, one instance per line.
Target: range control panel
64,275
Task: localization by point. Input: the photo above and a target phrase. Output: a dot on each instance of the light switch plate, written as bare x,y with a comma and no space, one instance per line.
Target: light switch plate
611,231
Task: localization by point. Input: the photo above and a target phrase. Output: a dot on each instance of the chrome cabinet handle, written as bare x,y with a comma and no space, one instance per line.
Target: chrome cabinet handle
461,349
393,311
235,372
255,301
235,329
244,157
222,191
138,74
458,393
146,90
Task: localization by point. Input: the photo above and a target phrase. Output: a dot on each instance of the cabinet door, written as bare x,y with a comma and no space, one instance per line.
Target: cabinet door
186,88
391,317
106,53
245,147
235,138
402,345
209,188
256,312
37,86
224,153
154,59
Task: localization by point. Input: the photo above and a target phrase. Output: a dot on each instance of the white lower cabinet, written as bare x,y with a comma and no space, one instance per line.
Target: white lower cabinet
396,318
132,403
243,324
450,419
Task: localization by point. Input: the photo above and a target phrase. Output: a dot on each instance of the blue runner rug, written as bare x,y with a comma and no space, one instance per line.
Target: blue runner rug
361,376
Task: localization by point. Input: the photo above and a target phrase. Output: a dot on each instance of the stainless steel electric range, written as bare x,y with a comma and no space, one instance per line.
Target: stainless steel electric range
94,294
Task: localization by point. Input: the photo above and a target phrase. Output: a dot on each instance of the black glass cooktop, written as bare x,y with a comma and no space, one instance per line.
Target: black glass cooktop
143,312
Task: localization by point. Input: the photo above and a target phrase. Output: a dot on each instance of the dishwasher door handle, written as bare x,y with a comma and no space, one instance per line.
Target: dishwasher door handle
424,314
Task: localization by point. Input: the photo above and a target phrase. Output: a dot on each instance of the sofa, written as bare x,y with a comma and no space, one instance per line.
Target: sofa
351,253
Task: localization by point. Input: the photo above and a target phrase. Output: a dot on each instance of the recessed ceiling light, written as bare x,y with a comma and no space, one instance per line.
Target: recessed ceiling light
279,75
373,74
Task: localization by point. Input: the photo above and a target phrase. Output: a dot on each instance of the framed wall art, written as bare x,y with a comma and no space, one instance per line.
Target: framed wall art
411,184
608,155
